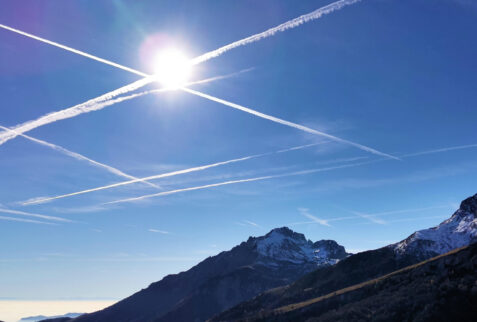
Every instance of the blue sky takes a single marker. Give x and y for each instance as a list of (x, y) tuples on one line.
[(397, 76)]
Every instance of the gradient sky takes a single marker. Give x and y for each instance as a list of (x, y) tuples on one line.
[(399, 76)]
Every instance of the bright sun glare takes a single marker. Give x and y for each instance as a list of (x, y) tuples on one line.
[(172, 68)]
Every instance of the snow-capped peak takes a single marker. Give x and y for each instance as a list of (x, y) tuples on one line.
[(285, 245), (457, 231)]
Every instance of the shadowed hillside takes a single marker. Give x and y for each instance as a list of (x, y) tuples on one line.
[(457, 231), (224, 280), (443, 288)]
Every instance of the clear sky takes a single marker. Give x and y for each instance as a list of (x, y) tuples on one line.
[(399, 76)]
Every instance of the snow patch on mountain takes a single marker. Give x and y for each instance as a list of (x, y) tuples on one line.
[(284, 245), (457, 231)]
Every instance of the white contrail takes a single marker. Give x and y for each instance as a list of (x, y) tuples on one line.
[(89, 106), (165, 193), (272, 31), (148, 78), (251, 223), (318, 13), (200, 168), (216, 78), (81, 157), (60, 115), (385, 213), (452, 148), (304, 172), (28, 214), (26, 220), (287, 123), (163, 175), (417, 218), (76, 51), (159, 231), (369, 217), (378, 214), (99, 103), (314, 219), (403, 211), (299, 147)]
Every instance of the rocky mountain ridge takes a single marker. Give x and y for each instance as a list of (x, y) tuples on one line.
[(219, 282), (457, 231)]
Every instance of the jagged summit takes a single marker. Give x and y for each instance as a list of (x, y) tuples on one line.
[(285, 245), (457, 231)]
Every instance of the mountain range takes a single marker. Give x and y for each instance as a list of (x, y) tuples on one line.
[(442, 288), (457, 231), (67, 316), (224, 280), (258, 277)]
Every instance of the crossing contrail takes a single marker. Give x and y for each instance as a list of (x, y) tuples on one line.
[(81, 157), (169, 174), (164, 175), (73, 111), (86, 107), (272, 31), (297, 173), (99, 103), (165, 193), (76, 51), (28, 214), (287, 123)]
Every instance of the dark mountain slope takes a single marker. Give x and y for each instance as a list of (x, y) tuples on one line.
[(457, 231), (353, 270), (219, 282), (443, 288)]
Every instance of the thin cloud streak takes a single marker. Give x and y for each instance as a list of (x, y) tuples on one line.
[(452, 148), (287, 123), (272, 31), (394, 212), (317, 220), (368, 217), (38, 200), (304, 172), (165, 193), (251, 223), (81, 157), (28, 214), (403, 211), (216, 78), (159, 231), (76, 51), (377, 214), (163, 175), (26, 220), (417, 219)]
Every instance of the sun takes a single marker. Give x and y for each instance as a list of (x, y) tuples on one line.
[(172, 68)]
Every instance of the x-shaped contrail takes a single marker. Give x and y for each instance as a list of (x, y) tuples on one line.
[(90, 105)]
